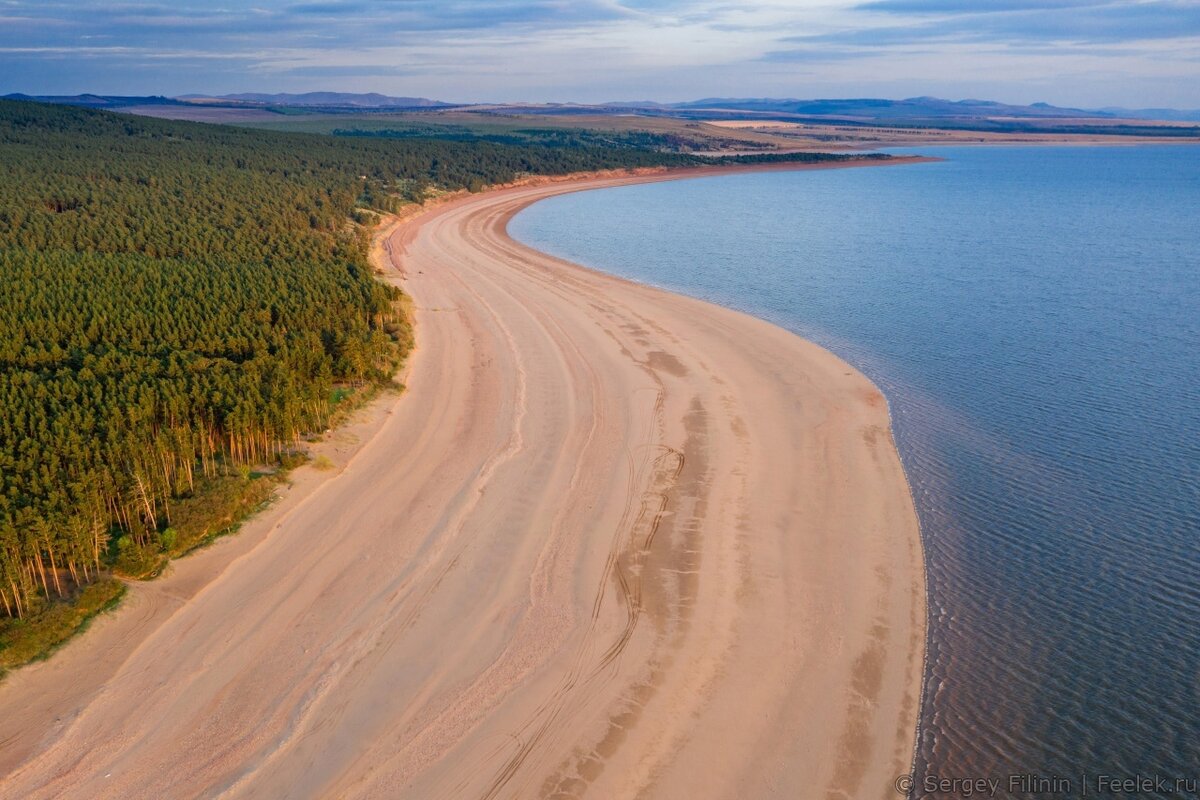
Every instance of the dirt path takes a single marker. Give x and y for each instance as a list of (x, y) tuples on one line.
[(612, 542)]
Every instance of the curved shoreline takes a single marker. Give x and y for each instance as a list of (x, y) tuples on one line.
[(589, 184), (612, 539)]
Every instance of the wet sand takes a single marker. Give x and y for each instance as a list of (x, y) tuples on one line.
[(612, 542)]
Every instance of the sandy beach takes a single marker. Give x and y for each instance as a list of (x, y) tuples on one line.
[(610, 542)]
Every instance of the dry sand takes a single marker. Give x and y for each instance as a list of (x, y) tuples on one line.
[(867, 134), (612, 542)]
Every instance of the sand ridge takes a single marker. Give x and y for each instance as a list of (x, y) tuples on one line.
[(611, 542)]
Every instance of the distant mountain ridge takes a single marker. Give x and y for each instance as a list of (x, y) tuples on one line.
[(864, 108), (307, 100), (340, 99), (880, 109)]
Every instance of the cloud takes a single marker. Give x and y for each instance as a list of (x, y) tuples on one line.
[(1085, 21), (972, 6), (811, 55), (600, 49), (138, 22), (351, 71), (458, 15), (326, 9)]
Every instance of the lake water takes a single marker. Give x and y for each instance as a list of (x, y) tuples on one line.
[(1033, 315)]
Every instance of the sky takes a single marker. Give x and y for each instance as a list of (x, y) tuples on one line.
[(1080, 53)]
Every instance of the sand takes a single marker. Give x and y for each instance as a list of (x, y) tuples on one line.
[(849, 134), (611, 542)]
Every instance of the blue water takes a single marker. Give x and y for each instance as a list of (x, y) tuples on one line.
[(1033, 315)]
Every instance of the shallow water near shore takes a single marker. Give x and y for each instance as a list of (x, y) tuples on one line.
[(1033, 315)]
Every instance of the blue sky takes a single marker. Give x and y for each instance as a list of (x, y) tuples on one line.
[(1070, 52)]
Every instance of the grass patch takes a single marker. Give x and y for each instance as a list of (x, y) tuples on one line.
[(219, 509), (40, 634), (339, 394)]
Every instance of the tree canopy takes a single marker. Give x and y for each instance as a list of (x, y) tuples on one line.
[(179, 301)]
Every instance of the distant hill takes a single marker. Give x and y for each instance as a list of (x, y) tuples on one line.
[(339, 99), (880, 109), (866, 110), (238, 108)]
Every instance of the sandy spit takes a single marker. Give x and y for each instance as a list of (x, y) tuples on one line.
[(612, 542)]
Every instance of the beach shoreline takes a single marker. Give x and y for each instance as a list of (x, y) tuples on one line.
[(705, 556)]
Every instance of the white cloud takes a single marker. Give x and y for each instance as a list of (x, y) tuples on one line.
[(593, 50)]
